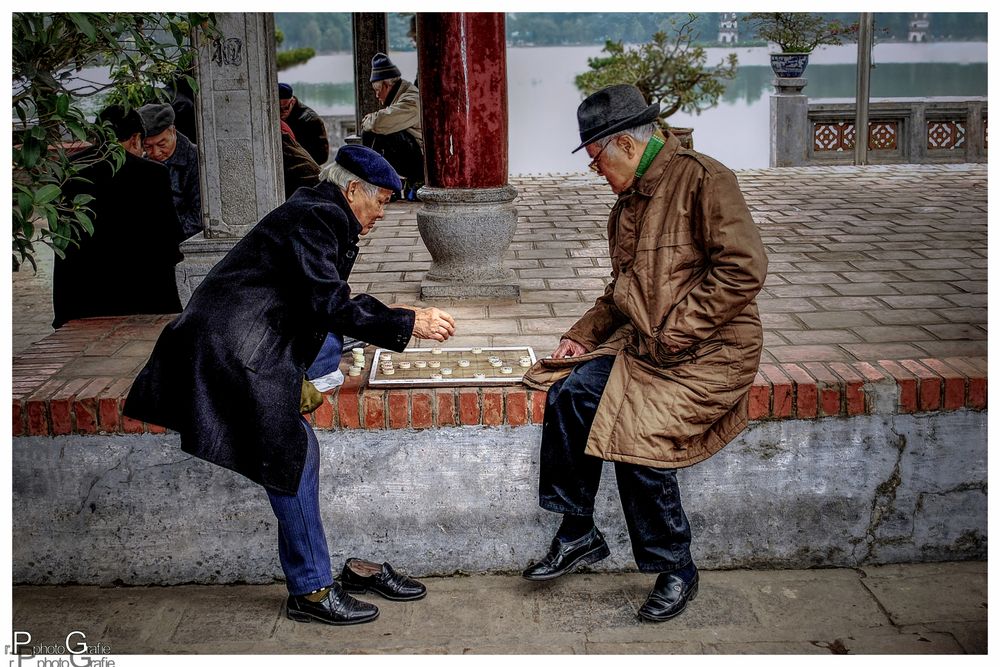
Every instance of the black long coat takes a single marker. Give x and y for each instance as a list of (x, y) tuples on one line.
[(127, 265), (227, 372)]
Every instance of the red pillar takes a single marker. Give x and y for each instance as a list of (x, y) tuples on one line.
[(463, 82), (468, 217)]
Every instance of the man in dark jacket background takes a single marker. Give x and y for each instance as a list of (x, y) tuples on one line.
[(165, 144), (306, 125), (127, 265), (227, 373)]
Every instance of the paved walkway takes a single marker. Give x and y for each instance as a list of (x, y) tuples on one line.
[(895, 609), (870, 263)]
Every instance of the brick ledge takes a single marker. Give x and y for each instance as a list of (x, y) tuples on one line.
[(51, 398)]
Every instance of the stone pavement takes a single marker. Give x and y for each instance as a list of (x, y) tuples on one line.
[(938, 608), (866, 263)]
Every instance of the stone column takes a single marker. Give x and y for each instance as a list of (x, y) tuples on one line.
[(468, 218), (790, 130), (370, 32), (239, 147)]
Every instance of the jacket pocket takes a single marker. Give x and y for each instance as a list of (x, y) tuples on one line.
[(259, 347)]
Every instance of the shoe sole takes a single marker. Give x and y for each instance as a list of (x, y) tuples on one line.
[(366, 589), (589, 558), (659, 619), (305, 617)]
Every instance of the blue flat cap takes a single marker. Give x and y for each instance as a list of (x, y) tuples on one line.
[(369, 166)]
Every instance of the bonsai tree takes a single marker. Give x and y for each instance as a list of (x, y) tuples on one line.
[(798, 32), (669, 70)]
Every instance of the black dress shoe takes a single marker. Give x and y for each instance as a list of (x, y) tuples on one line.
[(336, 608), (669, 596), (360, 576), (564, 556)]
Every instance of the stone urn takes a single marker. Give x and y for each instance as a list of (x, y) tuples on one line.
[(789, 65)]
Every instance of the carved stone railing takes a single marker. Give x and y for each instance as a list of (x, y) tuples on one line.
[(912, 130), (900, 130)]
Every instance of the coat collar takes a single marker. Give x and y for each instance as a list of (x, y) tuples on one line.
[(333, 192), (647, 184)]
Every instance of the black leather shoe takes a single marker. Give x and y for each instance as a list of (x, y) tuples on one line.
[(360, 576), (669, 596), (563, 557), (336, 608)]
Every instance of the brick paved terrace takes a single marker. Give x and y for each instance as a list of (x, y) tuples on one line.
[(877, 274)]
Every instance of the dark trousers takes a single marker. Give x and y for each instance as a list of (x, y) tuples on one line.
[(302, 547), (401, 150), (569, 479)]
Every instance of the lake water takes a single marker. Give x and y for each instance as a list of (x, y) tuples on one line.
[(542, 97)]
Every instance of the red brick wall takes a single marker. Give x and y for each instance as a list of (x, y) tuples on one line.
[(76, 380)]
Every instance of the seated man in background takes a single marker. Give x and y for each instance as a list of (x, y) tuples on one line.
[(127, 265), (306, 125), (166, 145), (394, 130)]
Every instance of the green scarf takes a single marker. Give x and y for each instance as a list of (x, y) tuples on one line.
[(656, 142)]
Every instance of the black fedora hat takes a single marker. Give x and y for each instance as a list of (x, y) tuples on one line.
[(611, 110)]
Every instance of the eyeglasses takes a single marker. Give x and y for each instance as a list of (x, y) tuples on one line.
[(593, 163)]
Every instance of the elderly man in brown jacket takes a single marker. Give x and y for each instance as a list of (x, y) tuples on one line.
[(656, 375)]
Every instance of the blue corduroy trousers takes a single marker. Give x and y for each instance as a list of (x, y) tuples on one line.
[(302, 547)]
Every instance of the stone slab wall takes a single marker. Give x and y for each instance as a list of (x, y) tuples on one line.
[(840, 491)]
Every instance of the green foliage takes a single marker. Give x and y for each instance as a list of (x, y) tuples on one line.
[(669, 70), (49, 50), (798, 32), (294, 57)]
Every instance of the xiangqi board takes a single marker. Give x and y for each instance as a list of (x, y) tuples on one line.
[(450, 366)]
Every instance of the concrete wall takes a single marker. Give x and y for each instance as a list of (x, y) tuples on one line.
[(837, 491)]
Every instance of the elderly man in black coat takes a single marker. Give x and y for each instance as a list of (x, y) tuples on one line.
[(227, 373)]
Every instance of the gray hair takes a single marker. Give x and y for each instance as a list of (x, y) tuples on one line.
[(641, 134), (342, 178)]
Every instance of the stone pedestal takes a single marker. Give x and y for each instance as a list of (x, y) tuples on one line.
[(790, 131), (468, 218), (239, 147), (467, 232)]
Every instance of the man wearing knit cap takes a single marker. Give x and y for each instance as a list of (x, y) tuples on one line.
[(164, 144), (308, 129), (394, 130), (656, 375), (227, 373), (134, 243)]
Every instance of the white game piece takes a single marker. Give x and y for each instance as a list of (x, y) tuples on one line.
[(496, 363), (506, 370), (445, 371), (479, 376), (464, 363), (434, 363), (354, 371), (386, 357), (403, 365), (436, 350), (420, 363), (388, 370), (435, 376), (477, 350)]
